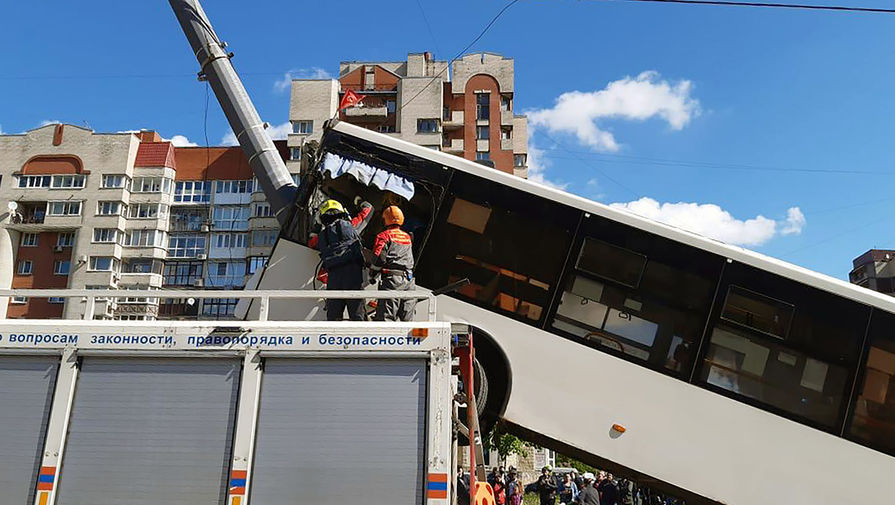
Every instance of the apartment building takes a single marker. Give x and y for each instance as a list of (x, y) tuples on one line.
[(467, 110), (87, 210), (875, 270)]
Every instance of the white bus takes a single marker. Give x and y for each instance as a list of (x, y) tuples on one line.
[(734, 377)]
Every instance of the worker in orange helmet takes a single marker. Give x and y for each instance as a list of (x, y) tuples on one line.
[(393, 262)]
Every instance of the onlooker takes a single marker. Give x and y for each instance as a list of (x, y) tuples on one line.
[(567, 490), (462, 488), (608, 491), (514, 488), (546, 486), (588, 494), (500, 489)]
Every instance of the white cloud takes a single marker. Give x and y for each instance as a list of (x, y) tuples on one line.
[(276, 132), (181, 141), (712, 221), (301, 73), (795, 221), (635, 99), (48, 121)]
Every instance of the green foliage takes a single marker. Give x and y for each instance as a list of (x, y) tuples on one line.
[(574, 463), (505, 444)]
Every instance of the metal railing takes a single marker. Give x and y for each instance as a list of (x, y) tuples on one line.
[(263, 295)]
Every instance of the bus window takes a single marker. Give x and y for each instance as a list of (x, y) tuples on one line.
[(873, 411), (511, 245), (638, 295), (784, 345)]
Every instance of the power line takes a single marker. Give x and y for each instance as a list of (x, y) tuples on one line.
[(768, 4), (476, 39), (585, 162), (640, 160), (428, 26)]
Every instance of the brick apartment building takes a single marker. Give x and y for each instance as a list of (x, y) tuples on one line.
[(127, 211), (466, 110), (875, 270)]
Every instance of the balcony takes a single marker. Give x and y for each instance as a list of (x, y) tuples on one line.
[(367, 112), (142, 278), (370, 88), (506, 117), (506, 144), (453, 146), (453, 122)]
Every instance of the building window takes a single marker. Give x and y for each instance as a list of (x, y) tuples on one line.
[(427, 125), (61, 267), (183, 273), (141, 266), (262, 210), (192, 192), (26, 267), (482, 156), (65, 239), (147, 210), (506, 134), (56, 299), (505, 103), (296, 179), (518, 160), (67, 208), (34, 181), (188, 218), (29, 239), (482, 132), (391, 106), (230, 240), (235, 187), (304, 127), (264, 238), (115, 181), (219, 307), (104, 264), (386, 128), (231, 217), (483, 106), (151, 185), (186, 246), (256, 263), (295, 153), (145, 238), (19, 300), (105, 235), (110, 208), (68, 181)]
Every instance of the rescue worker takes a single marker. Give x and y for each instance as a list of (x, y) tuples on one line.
[(393, 262), (341, 253)]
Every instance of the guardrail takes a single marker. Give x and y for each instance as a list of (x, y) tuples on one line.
[(263, 295)]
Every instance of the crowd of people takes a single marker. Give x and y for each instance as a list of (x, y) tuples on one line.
[(569, 488)]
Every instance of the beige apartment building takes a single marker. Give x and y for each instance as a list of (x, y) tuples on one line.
[(87, 210), (467, 110)]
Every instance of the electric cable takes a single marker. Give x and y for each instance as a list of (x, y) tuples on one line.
[(732, 3), (452, 60)]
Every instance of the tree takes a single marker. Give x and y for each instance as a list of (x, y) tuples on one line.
[(505, 444)]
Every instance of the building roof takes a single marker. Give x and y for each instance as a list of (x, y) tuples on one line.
[(155, 154), (213, 163)]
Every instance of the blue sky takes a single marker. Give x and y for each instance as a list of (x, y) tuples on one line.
[(746, 113)]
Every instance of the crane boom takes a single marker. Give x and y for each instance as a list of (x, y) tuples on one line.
[(216, 68)]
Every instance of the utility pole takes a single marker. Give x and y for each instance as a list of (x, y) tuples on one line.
[(216, 68)]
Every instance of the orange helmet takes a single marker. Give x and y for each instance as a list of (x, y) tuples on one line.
[(393, 215)]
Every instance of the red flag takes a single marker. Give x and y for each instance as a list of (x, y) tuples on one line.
[(351, 99)]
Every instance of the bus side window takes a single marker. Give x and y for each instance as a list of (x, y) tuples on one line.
[(873, 410), (637, 295), (784, 345), (511, 245)]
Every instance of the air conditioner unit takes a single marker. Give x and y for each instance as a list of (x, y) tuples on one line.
[(201, 256), (205, 228), (57, 249), (199, 283)]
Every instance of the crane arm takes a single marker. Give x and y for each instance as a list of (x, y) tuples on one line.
[(215, 66)]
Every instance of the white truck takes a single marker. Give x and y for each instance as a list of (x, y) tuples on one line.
[(201, 412)]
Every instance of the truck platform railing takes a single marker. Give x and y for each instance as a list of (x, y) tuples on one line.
[(264, 296)]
